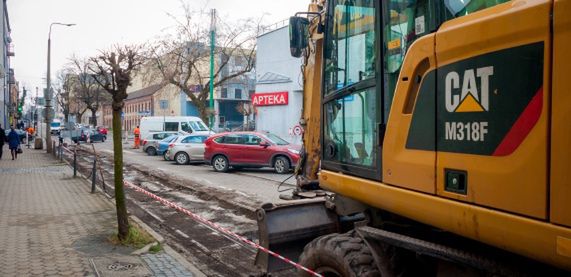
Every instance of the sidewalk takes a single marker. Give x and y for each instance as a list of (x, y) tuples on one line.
[(50, 225)]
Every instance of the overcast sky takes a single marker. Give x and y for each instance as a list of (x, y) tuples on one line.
[(102, 23)]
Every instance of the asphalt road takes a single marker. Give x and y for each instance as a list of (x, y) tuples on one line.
[(260, 185)]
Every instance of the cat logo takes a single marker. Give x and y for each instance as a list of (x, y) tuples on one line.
[(467, 98)]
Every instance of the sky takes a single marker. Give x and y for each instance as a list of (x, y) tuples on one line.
[(103, 23)]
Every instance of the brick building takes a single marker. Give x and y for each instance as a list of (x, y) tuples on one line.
[(138, 104)]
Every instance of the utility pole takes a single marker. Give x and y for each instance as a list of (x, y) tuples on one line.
[(48, 93), (212, 43)]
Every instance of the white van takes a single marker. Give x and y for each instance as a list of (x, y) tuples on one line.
[(56, 127), (188, 124)]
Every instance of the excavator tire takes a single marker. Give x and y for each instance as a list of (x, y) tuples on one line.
[(341, 255)]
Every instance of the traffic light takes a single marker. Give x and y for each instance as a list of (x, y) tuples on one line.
[(20, 109)]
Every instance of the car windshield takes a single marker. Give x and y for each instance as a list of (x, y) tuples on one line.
[(198, 126), (55, 124), (277, 140)]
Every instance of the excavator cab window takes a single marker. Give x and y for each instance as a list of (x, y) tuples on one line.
[(351, 97), (403, 21)]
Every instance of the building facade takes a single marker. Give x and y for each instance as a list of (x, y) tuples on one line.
[(7, 108), (278, 97)]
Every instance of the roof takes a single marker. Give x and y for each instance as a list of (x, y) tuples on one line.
[(273, 78), (150, 90)]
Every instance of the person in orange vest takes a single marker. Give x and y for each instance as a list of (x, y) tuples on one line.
[(137, 133), (31, 131)]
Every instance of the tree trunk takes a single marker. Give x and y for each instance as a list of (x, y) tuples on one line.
[(122, 219), (203, 112), (94, 117), (66, 118)]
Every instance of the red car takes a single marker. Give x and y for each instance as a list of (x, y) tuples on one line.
[(250, 149)]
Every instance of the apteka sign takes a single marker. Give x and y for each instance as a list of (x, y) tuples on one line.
[(270, 99)]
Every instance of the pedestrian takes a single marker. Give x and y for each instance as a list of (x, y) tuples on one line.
[(13, 142), (2, 139), (137, 133)]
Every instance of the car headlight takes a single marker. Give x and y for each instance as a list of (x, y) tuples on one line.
[(293, 151)]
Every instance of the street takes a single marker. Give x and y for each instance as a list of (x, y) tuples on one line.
[(259, 185), (228, 200)]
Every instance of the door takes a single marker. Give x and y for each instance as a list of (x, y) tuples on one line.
[(409, 75), (196, 147), (493, 103), (233, 147), (253, 152), (351, 98)]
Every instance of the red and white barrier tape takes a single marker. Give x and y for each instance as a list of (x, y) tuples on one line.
[(67, 149), (219, 228)]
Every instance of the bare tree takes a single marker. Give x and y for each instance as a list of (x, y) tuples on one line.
[(246, 109), (112, 70), (182, 60), (88, 91)]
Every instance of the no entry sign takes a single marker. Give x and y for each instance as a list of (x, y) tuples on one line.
[(270, 99)]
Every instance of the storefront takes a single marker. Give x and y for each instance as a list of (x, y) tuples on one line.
[(278, 98)]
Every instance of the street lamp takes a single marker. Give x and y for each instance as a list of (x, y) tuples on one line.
[(48, 93)]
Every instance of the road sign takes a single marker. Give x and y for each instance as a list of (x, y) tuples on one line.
[(164, 104), (297, 130)]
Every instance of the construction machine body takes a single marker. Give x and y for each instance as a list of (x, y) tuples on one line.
[(452, 115)]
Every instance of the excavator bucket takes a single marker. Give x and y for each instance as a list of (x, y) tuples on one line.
[(287, 228)]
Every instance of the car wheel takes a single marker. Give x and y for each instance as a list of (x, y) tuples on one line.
[(166, 156), (151, 151), (181, 158), (281, 165), (220, 163)]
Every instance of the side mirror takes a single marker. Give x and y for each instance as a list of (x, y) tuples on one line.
[(298, 35), (264, 144)]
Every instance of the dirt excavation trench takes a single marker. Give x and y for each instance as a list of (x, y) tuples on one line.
[(211, 251)]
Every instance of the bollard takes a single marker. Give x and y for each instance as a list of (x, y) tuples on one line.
[(74, 163), (93, 175), (61, 152)]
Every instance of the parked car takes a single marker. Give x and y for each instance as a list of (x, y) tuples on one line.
[(164, 146), (187, 149), (103, 131), (151, 141), (250, 149), (86, 134)]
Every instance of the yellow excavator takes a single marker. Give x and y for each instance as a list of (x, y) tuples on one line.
[(437, 140)]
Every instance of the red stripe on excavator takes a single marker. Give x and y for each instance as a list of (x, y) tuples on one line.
[(522, 127)]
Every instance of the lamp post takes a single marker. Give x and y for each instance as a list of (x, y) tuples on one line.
[(48, 92)]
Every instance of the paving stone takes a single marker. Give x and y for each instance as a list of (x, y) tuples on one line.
[(46, 212)]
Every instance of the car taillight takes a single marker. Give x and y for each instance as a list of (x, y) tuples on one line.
[(144, 142), (171, 145)]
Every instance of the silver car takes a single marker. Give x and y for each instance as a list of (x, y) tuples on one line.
[(187, 149), (151, 142)]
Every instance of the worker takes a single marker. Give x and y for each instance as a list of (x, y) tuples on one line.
[(31, 131), (137, 133)]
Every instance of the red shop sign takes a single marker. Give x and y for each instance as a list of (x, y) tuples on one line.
[(270, 99)]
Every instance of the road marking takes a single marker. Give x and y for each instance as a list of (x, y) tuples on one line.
[(124, 151), (182, 234), (202, 247), (154, 215)]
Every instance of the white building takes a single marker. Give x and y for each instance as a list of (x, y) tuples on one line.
[(279, 82), (6, 74)]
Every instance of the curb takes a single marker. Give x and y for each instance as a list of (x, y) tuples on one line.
[(159, 238), (167, 249)]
